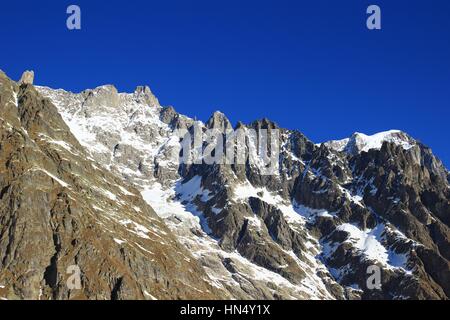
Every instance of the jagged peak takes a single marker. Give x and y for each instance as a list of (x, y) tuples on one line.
[(143, 90), (264, 123), (144, 94)]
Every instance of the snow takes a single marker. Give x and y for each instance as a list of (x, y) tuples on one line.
[(62, 183), (107, 193), (136, 228), (81, 132), (311, 214), (178, 200), (118, 241), (244, 191), (366, 241), (369, 242), (60, 143), (376, 141), (16, 100), (125, 191), (149, 295), (353, 198), (189, 190), (166, 205), (143, 249), (292, 212)]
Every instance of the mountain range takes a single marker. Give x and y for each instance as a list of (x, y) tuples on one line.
[(88, 180)]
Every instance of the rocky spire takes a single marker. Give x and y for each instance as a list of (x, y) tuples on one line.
[(27, 77)]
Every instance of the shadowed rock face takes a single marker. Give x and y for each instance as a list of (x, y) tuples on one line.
[(58, 208), (310, 231)]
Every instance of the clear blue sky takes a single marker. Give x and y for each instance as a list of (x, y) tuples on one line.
[(308, 65)]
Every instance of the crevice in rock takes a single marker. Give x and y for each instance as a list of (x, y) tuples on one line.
[(116, 289), (242, 232), (51, 272), (3, 191)]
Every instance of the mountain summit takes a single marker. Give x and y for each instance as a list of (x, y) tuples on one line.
[(359, 142)]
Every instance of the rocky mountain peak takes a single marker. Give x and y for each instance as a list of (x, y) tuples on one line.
[(144, 94), (218, 120), (27, 77)]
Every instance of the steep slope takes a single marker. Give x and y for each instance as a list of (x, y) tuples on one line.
[(58, 209)]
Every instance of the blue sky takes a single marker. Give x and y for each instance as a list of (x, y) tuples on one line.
[(308, 65)]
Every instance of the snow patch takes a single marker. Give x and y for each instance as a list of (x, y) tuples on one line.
[(118, 241), (136, 228), (369, 242), (62, 183), (149, 295)]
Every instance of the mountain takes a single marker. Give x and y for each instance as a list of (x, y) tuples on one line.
[(90, 179), (59, 208)]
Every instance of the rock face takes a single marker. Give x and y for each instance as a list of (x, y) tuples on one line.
[(312, 230), (27, 77)]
